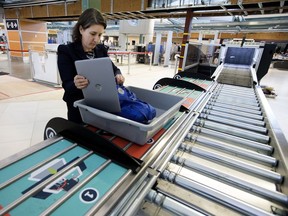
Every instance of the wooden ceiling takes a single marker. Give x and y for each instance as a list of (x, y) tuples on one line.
[(244, 9)]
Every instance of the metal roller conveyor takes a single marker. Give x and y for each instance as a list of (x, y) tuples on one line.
[(236, 99), (238, 94), (233, 130), (251, 100), (235, 112), (231, 157), (214, 194), (234, 123), (235, 90), (173, 206), (242, 152), (224, 88), (226, 177), (236, 163), (251, 110), (250, 144), (230, 101), (249, 92), (234, 117)]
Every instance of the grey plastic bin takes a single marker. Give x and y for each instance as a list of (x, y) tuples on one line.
[(166, 106)]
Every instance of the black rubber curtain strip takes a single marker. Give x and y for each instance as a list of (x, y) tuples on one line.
[(178, 83), (92, 141)]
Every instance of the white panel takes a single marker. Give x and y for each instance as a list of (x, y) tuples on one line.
[(136, 26)]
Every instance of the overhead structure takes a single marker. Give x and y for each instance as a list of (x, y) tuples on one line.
[(153, 9)]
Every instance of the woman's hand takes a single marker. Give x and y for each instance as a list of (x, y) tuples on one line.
[(80, 82), (119, 79)]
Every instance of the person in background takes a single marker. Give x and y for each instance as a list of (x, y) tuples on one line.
[(174, 50), (3, 40), (85, 45)]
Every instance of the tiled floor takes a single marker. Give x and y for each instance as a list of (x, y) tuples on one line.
[(23, 117)]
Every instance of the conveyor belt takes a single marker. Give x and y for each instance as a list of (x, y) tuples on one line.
[(225, 162), (223, 157)]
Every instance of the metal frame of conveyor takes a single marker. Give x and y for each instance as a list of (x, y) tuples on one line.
[(230, 158), (250, 172), (227, 156)]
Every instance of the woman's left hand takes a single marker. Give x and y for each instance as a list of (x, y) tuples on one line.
[(119, 79)]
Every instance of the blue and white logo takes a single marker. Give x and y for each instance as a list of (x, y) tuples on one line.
[(88, 195)]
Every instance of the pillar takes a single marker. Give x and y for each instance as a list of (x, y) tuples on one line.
[(157, 49), (186, 37), (168, 48)]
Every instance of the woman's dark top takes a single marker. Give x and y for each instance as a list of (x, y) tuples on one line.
[(67, 55)]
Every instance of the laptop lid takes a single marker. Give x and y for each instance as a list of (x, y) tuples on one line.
[(101, 93)]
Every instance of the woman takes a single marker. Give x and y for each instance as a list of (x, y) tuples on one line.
[(86, 44)]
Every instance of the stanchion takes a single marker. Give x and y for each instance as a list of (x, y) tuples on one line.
[(129, 54), (176, 63), (150, 60)]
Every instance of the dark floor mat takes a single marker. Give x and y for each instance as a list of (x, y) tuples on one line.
[(3, 73)]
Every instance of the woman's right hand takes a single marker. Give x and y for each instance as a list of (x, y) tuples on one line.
[(80, 82)]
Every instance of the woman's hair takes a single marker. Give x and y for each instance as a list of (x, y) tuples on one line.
[(89, 17)]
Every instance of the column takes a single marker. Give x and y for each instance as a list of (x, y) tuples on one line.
[(157, 49), (168, 48), (186, 37)]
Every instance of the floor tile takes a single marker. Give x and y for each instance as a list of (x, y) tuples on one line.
[(12, 147)]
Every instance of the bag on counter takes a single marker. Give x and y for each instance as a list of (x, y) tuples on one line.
[(133, 108)]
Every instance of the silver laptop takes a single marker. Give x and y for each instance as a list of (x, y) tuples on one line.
[(101, 93)]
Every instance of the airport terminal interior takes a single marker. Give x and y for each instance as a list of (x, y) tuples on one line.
[(216, 72)]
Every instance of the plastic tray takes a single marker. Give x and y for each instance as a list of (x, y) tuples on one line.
[(166, 106)]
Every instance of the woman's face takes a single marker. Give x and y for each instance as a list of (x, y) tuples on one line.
[(91, 36)]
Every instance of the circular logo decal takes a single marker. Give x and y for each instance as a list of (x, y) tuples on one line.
[(150, 141), (88, 195), (98, 87), (157, 86), (177, 77), (50, 132)]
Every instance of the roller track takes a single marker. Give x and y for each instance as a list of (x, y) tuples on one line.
[(223, 156), (225, 164)]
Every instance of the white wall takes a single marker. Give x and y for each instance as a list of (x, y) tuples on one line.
[(136, 27)]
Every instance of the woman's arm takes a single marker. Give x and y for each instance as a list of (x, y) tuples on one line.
[(67, 69)]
